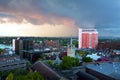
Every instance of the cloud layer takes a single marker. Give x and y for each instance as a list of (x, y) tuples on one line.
[(103, 15)]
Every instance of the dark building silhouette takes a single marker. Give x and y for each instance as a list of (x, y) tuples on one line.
[(20, 45), (108, 45)]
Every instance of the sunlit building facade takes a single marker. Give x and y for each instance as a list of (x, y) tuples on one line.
[(88, 38)]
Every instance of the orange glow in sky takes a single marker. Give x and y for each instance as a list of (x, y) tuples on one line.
[(43, 30)]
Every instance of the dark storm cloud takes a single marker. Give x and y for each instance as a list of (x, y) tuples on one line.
[(15, 10), (101, 14), (102, 11), (32, 12)]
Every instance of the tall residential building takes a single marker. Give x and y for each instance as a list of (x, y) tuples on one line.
[(88, 38), (20, 45)]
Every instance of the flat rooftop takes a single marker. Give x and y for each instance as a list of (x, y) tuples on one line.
[(88, 30), (110, 69)]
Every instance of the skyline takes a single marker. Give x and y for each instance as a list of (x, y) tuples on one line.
[(59, 18)]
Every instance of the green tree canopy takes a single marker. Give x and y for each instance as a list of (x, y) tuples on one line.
[(69, 62), (1, 50), (30, 76), (87, 59), (10, 77)]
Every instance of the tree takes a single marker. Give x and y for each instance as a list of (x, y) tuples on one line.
[(69, 62), (75, 61), (4, 74), (37, 76), (75, 42), (19, 71), (87, 59), (50, 63), (28, 64), (1, 50), (30, 76), (20, 77), (10, 77)]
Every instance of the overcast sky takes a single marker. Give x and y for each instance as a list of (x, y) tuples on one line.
[(60, 18)]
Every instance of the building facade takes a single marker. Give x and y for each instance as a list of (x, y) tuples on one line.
[(88, 38), (71, 49), (21, 45), (9, 62)]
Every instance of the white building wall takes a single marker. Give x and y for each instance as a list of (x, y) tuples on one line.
[(80, 38)]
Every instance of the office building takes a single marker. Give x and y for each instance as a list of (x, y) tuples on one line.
[(88, 38), (20, 45)]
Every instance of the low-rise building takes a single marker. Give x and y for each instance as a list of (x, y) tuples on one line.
[(9, 62), (104, 70)]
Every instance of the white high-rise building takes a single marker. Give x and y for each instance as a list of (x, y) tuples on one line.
[(88, 38)]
